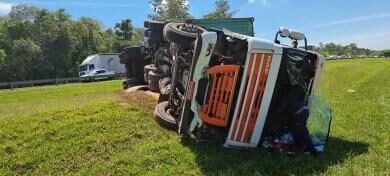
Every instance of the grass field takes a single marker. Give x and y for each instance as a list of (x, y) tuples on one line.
[(93, 129)]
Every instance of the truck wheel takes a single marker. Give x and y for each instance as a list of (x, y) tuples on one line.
[(148, 43), (162, 83), (130, 53), (132, 82), (155, 36), (153, 86), (157, 26), (165, 93), (148, 68), (163, 117), (146, 32), (146, 24), (181, 33), (154, 77), (124, 59)]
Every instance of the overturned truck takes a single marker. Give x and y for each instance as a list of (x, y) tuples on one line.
[(244, 91)]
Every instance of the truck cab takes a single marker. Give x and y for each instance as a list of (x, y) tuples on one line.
[(237, 88), (88, 65)]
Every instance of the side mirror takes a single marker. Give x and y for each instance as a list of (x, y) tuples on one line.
[(284, 32), (295, 35)]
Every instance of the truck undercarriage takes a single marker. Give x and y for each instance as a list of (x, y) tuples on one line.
[(240, 90)]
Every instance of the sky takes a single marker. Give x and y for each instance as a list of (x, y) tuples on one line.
[(365, 22)]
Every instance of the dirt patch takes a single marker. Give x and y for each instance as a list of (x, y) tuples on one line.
[(145, 99)]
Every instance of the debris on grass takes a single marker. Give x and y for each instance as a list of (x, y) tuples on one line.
[(351, 91)]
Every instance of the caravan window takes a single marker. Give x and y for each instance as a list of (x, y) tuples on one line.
[(91, 67), (83, 68)]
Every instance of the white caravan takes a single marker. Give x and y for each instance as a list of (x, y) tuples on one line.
[(103, 61)]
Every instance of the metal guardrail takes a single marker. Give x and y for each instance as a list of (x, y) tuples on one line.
[(30, 83)]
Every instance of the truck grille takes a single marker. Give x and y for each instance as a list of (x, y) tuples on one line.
[(216, 111), (250, 97)]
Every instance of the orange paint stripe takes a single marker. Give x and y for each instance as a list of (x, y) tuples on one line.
[(255, 107), (259, 95), (237, 117), (249, 96)]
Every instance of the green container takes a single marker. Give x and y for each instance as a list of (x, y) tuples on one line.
[(238, 25)]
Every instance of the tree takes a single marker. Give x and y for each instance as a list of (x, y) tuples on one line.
[(124, 29), (2, 56), (386, 53), (41, 44), (350, 50), (25, 54), (175, 10), (22, 12), (222, 10), (158, 9)]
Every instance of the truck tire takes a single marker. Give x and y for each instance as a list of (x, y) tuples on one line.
[(130, 53), (154, 77), (163, 117), (165, 93), (153, 25), (163, 83), (132, 82), (155, 36), (148, 68), (153, 86), (146, 24), (146, 32), (181, 33), (167, 90), (124, 59), (148, 43)]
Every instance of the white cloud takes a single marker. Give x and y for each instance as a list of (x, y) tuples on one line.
[(264, 2), (5, 8), (79, 3), (352, 20)]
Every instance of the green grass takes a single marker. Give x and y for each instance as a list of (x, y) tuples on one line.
[(93, 129)]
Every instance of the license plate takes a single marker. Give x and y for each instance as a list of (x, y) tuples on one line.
[(190, 90)]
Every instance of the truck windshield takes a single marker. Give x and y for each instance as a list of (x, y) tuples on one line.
[(83, 67)]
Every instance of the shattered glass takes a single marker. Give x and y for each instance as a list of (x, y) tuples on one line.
[(319, 121)]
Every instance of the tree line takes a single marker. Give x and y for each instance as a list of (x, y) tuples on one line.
[(348, 51), (37, 43), (40, 44)]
